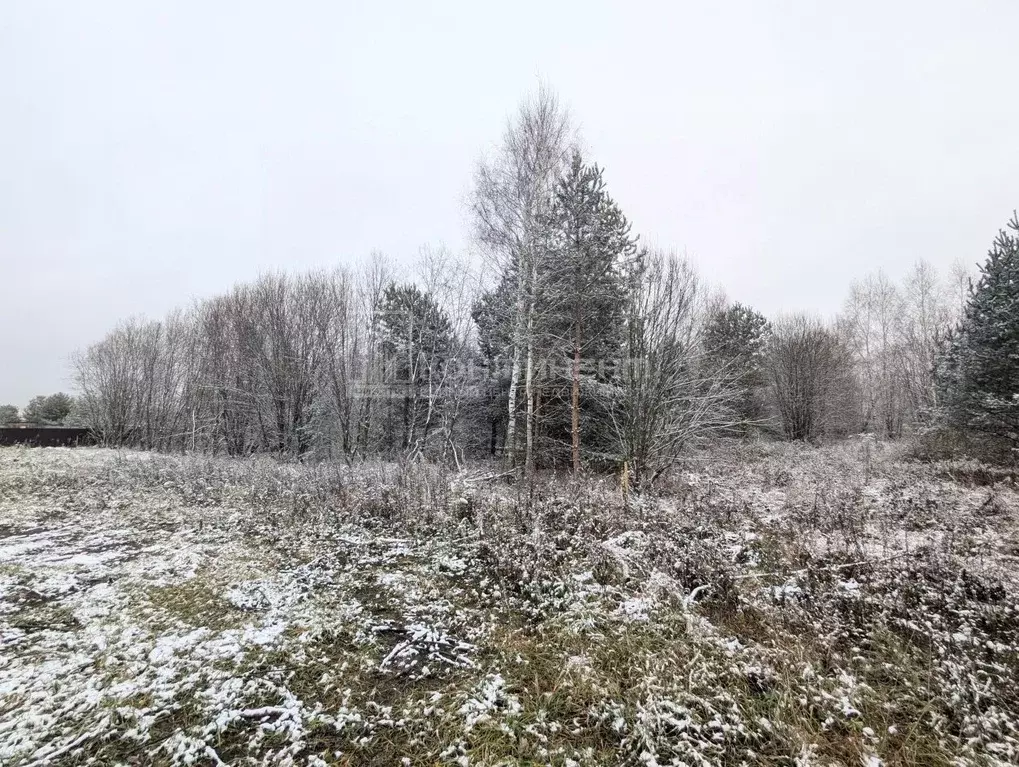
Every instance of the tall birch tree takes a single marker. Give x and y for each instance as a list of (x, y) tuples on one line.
[(511, 203)]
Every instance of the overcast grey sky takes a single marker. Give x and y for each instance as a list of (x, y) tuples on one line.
[(154, 152)]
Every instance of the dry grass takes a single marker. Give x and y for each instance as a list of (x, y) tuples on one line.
[(772, 604)]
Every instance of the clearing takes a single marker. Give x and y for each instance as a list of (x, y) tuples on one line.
[(774, 604)]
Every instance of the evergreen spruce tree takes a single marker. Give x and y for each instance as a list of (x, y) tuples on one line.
[(979, 373)]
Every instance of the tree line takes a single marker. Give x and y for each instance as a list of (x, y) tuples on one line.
[(570, 345), (43, 410)]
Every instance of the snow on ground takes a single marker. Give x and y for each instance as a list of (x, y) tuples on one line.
[(775, 605)]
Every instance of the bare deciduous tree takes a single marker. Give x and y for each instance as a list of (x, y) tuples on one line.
[(871, 326), (668, 395), (808, 365), (925, 319)]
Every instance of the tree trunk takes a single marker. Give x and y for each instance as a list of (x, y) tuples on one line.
[(529, 395), (511, 424), (529, 379), (575, 407), (519, 320)]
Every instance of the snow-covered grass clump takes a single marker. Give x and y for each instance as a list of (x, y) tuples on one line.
[(770, 605)]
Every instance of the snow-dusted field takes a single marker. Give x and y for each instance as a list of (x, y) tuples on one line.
[(775, 605)]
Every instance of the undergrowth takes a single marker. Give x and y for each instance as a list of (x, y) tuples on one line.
[(768, 604)]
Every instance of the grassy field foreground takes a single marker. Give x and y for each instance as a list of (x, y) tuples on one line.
[(773, 605)]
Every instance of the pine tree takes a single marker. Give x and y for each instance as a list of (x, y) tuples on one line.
[(493, 316), (979, 373), (583, 289), (735, 341), (416, 340)]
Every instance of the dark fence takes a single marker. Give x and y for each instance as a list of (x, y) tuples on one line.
[(45, 436)]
